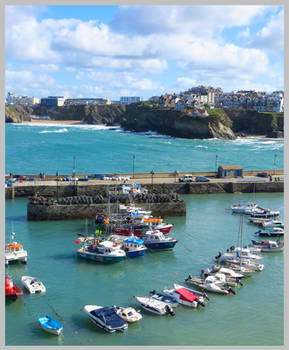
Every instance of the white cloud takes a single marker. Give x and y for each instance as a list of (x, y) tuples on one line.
[(185, 83), (271, 36), (245, 33), (18, 78)]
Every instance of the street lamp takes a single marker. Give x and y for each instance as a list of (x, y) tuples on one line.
[(57, 184), (133, 160), (275, 158), (152, 174), (176, 173), (216, 164)]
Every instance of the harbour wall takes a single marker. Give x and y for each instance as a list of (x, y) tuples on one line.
[(67, 190), (82, 207)]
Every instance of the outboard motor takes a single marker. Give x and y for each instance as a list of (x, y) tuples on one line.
[(231, 291), (200, 303), (188, 278), (153, 291), (169, 310), (206, 296), (218, 256)]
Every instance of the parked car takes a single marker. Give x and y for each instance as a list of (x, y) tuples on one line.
[(263, 174), (186, 178), (202, 179)]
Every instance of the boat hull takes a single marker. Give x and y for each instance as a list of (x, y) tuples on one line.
[(100, 258), (160, 245), (136, 253)]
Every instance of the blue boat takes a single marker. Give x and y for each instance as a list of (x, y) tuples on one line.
[(134, 247), (156, 240), (104, 252), (50, 325)]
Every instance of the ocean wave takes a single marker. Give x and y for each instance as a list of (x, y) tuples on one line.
[(53, 131), (64, 125)]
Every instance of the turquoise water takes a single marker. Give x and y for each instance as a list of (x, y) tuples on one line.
[(252, 317), (35, 149)]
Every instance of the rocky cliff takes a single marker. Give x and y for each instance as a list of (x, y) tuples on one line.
[(226, 124)]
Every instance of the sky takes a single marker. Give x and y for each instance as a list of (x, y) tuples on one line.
[(113, 51)]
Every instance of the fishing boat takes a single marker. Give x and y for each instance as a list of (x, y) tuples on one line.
[(139, 229), (133, 247), (105, 318), (173, 302), (104, 252), (50, 325), (209, 284), (33, 285), (12, 291), (155, 306), (14, 251), (155, 240), (187, 297), (268, 246), (129, 314)]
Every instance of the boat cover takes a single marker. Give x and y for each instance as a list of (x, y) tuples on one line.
[(133, 240), (186, 295), (108, 316)]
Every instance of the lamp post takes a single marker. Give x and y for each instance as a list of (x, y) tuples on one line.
[(176, 173), (133, 160), (57, 184), (152, 174), (275, 158), (216, 164)]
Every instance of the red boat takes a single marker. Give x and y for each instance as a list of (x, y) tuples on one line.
[(138, 230), (12, 292)]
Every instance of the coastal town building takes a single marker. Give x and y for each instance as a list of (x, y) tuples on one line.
[(126, 100), (86, 101), (53, 101), (13, 98)]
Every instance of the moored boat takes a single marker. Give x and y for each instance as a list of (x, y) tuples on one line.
[(12, 291), (106, 318), (268, 246), (104, 252), (129, 314), (50, 325), (133, 247), (164, 298), (272, 223), (209, 284), (271, 232), (155, 240), (14, 251), (187, 297), (155, 306), (33, 285)]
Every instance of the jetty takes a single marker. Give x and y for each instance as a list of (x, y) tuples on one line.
[(80, 196)]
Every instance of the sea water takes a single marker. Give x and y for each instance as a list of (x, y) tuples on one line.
[(254, 316)]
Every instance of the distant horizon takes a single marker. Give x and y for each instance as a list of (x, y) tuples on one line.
[(112, 51)]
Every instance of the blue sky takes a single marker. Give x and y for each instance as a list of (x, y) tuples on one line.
[(113, 51)]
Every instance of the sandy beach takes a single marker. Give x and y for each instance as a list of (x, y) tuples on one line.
[(44, 121)]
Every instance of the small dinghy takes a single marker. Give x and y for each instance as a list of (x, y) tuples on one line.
[(12, 292), (155, 306), (164, 298), (187, 297), (129, 314), (33, 285), (210, 284), (106, 318), (50, 325)]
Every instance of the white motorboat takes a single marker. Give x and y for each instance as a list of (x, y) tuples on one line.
[(271, 232), (252, 265), (129, 314), (244, 270), (164, 298), (268, 246), (106, 318), (272, 223), (187, 297), (224, 270), (242, 253), (155, 306), (243, 207), (210, 284), (33, 285), (14, 251)]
